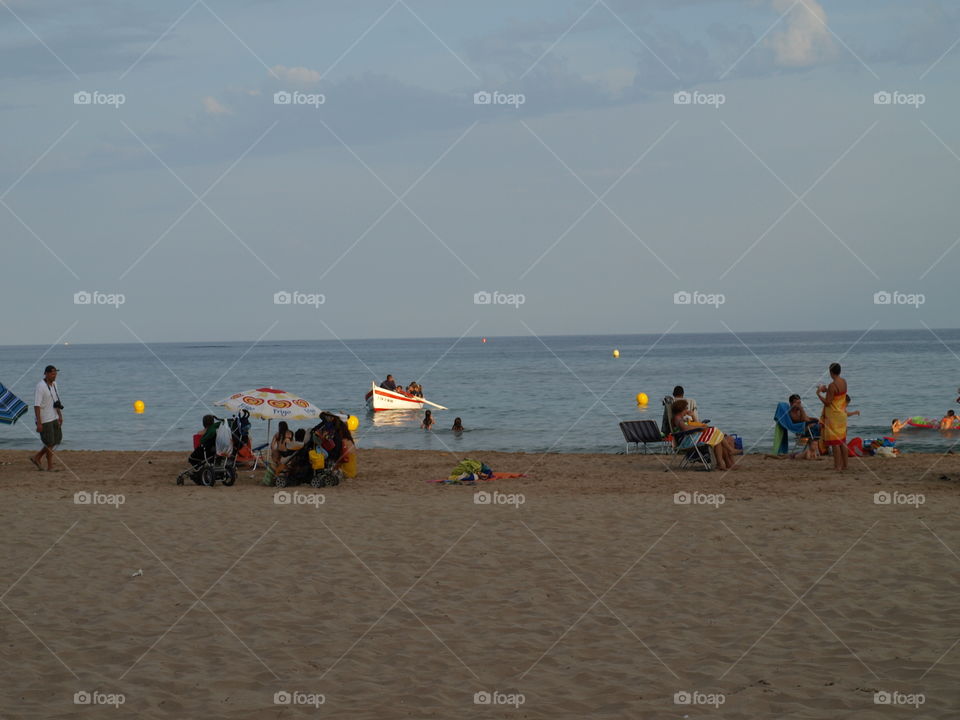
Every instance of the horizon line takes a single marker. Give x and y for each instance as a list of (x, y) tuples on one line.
[(479, 336)]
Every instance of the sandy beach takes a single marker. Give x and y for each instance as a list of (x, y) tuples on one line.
[(584, 590)]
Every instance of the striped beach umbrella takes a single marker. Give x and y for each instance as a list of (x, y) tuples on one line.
[(11, 407)]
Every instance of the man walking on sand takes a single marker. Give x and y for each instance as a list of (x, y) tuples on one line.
[(47, 407)]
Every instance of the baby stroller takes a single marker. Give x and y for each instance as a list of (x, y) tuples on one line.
[(306, 465), (215, 455)]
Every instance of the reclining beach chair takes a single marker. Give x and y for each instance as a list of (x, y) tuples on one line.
[(784, 425), (686, 444), (643, 432)]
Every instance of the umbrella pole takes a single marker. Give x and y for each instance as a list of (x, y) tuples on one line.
[(269, 420)]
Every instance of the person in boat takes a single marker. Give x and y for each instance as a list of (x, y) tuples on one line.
[(457, 425), (896, 426), (949, 421), (721, 444), (389, 383), (415, 390), (427, 420)]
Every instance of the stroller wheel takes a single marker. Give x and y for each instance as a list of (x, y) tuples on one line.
[(231, 477), (280, 481), (181, 477), (208, 477), (335, 478), (318, 480)]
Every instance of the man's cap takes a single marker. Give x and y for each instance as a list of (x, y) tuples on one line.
[(49, 368)]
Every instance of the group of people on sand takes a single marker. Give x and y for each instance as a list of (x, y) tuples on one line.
[(830, 428), (331, 436), (414, 389)]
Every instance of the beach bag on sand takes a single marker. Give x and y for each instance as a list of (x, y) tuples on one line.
[(318, 459), (224, 439)]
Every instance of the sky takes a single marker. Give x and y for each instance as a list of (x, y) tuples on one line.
[(292, 169)]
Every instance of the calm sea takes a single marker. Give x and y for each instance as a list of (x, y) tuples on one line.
[(563, 394)]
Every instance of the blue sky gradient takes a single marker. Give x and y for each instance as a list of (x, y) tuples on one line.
[(597, 199)]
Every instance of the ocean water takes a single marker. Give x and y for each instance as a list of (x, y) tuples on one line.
[(561, 394)]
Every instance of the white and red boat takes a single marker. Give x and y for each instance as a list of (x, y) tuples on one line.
[(382, 399)]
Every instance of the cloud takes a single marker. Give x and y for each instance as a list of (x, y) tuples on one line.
[(214, 107), (806, 40), (297, 75)]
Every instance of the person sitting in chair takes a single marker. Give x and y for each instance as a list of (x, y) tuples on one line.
[(665, 425), (278, 445), (798, 414), (722, 445)]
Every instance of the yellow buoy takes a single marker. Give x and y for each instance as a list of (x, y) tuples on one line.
[(353, 422), (139, 407), (616, 353), (642, 399)]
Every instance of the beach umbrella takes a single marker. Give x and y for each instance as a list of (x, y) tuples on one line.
[(270, 404), (11, 407)]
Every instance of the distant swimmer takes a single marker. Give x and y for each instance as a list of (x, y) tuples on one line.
[(949, 421), (896, 426)]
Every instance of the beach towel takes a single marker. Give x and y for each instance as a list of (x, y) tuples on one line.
[(711, 436), (835, 422), (469, 467), (469, 471), (473, 478), (784, 426)]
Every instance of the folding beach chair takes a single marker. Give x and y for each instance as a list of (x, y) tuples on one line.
[(784, 426), (687, 445), (642, 432), (258, 454)]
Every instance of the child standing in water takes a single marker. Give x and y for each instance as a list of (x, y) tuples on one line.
[(457, 426)]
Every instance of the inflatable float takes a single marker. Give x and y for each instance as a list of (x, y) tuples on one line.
[(926, 423)]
